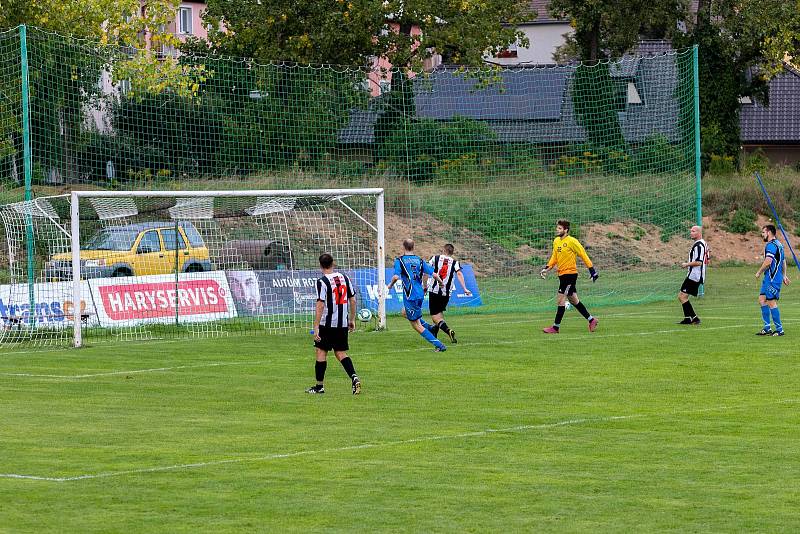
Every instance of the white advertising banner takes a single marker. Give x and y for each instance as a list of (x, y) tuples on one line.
[(196, 297), (53, 306), (130, 301)]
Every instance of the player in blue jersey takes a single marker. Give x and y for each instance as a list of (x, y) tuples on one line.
[(409, 268), (774, 271)]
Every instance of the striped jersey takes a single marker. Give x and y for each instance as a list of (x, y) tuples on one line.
[(447, 268), (774, 273), (336, 291), (565, 251), (698, 252)]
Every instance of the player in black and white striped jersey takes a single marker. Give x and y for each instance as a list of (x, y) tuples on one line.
[(333, 320), (447, 268), (695, 275)]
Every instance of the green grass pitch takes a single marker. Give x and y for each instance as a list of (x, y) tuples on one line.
[(644, 425)]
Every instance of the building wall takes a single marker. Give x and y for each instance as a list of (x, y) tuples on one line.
[(777, 154), (544, 37)]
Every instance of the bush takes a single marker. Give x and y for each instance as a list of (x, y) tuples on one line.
[(723, 165), (420, 147), (742, 221), (757, 161), (658, 155)]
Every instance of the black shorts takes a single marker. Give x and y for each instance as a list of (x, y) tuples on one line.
[(437, 303), (690, 287), (332, 339), (566, 284)]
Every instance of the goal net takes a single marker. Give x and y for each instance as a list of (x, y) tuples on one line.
[(152, 264)]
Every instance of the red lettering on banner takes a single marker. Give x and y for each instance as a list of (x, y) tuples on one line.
[(144, 301)]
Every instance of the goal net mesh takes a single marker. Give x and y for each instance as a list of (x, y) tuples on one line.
[(154, 267)]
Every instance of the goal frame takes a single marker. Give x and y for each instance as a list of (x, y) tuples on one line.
[(75, 246)]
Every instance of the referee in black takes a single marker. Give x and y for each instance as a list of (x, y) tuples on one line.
[(333, 320)]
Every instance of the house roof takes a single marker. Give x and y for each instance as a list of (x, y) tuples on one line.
[(780, 121), (534, 104), (542, 13)]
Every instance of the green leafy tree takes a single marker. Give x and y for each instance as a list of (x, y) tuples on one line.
[(742, 45), (606, 29), (351, 32), (610, 28)]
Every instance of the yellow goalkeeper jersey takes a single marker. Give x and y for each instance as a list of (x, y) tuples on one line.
[(565, 252)]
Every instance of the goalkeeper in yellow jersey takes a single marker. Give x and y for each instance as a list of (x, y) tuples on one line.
[(565, 251)]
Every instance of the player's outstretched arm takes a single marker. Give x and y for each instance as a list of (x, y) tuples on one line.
[(586, 261), (394, 279), (460, 276)]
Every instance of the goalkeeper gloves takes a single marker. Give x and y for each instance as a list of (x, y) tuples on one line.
[(543, 272), (593, 274)]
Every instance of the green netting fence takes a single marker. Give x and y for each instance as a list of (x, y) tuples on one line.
[(485, 159)]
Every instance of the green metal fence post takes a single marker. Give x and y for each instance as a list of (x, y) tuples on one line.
[(697, 167), (28, 166)]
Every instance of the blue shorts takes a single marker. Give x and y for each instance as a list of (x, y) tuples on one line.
[(413, 309), (770, 290)]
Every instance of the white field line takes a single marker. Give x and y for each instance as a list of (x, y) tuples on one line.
[(422, 439), (421, 348)]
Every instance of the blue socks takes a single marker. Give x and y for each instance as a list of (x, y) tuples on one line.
[(765, 316), (776, 319), (426, 334), (425, 325)]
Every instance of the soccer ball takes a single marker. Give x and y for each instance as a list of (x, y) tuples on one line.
[(364, 315)]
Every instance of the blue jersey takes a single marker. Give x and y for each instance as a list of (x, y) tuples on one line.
[(774, 273), (410, 269)]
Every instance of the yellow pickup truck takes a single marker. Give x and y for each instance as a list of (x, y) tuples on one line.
[(135, 250)]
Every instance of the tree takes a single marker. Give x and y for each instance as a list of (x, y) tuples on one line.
[(742, 45), (605, 29), (95, 38), (610, 28), (351, 32)]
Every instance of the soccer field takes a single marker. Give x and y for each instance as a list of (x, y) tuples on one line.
[(644, 425)]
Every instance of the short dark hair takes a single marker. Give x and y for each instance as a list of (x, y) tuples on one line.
[(771, 229), (449, 248), (563, 223), (408, 244), (326, 261)]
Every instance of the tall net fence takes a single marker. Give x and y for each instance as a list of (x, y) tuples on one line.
[(487, 160)]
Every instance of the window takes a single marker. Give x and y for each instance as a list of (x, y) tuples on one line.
[(168, 234), (510, 52), (385, 85), (185, 20), (149, 243), (633, 94)]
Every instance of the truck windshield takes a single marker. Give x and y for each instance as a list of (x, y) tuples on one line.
[(112, 239)]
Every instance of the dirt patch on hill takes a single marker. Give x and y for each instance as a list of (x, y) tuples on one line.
[(430, 234)]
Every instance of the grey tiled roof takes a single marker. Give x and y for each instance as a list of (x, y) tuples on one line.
[(542, 14), (535, 105), (780, 122)]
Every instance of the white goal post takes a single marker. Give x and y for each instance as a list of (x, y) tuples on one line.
[(197, 206)]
